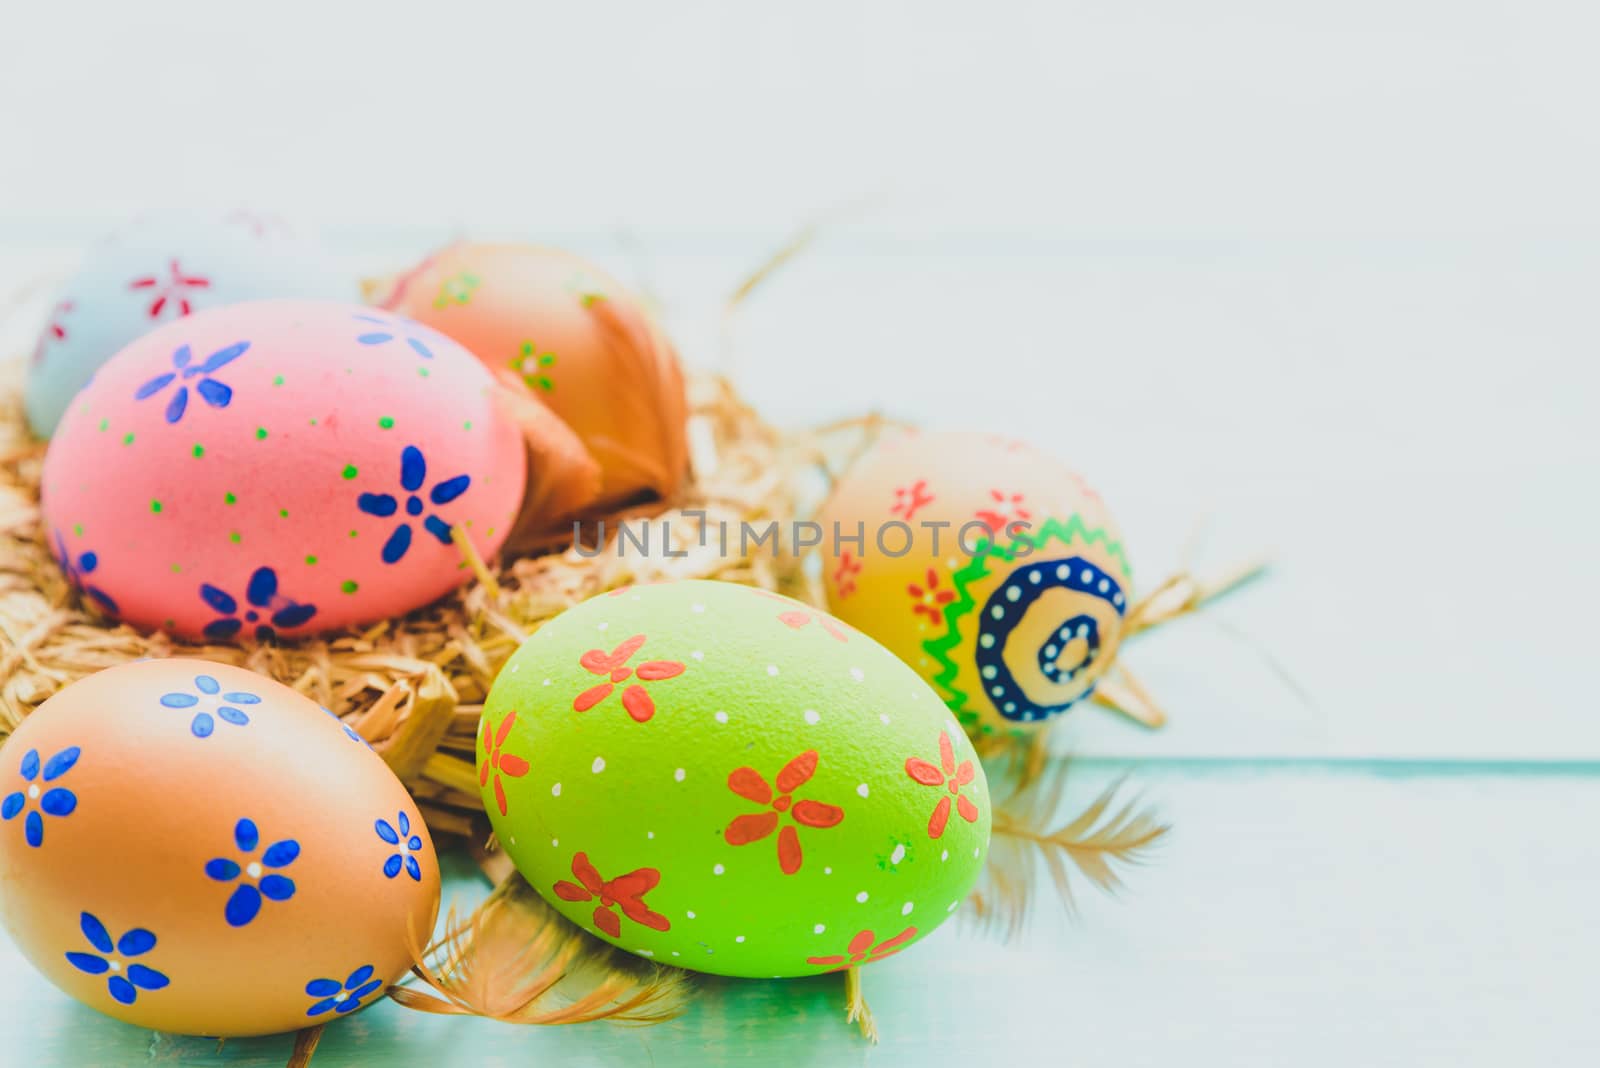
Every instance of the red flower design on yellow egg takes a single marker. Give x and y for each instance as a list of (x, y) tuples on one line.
[(927, 599), (625, 892), (951, 777), (1006, 509), (749, 784), (844, 575), (908, 500), (861, 950), (635, 699), (495, 761)]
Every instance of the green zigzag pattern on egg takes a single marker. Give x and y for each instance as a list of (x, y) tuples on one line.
[(1073, 531)]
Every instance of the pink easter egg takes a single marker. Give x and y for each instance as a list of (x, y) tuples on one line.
[(280, 468)]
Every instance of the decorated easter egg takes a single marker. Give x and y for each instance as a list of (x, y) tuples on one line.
[(578, 340), (192, 847), (727, 780), (155, 270), (280, 467), (991, 568)]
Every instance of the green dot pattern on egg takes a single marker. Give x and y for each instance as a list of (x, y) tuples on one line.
[(726, 780)]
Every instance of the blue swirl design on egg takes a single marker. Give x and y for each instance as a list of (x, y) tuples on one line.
[(1004, 611)]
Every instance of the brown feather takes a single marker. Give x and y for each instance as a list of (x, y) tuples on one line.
[(1093, 843), (517, 960)]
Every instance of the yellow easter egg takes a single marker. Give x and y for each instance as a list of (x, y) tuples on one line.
[(991, 568)]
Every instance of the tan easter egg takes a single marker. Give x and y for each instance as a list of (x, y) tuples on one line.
[(192, 847)]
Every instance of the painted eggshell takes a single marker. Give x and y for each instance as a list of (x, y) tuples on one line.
[(192, 847), (1013, 607), (160, 268), (580, 343), (730, 781), (280, 467)]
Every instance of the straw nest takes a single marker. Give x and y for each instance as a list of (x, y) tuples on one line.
[(413, 687)]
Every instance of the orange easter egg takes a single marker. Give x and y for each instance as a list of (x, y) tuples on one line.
[(192, 847), (991, 568), (578, 340)]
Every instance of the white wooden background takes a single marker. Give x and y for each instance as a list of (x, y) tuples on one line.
[(1308, 277)]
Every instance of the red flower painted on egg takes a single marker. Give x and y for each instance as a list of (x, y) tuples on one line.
[(861, 950), (950, 777), (495, 761), (172, 290), (749, 784), (614, 664), (625, 892)]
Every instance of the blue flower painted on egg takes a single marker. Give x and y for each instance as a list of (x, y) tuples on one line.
[(261, 595), (334, 996), (57, 801), (124, 980), (391, 330), (406, 844), (254, 882), (78, 571), (413, 474), (208, 690), (213, 391)]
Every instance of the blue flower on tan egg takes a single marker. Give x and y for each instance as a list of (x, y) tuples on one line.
[(413, 475), (209, 691), (262, 600), (36, 798), (406, 844), (78, 571), (214, 392), (342, 997), (254, 881), (124, 980)]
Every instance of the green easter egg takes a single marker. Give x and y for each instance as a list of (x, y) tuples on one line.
[(727, 780)]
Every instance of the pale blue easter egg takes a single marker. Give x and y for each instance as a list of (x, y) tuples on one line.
[(159, 268)]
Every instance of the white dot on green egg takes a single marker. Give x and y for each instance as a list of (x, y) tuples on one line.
[(598, 766), (697, 655), (899, 853), (515, 668), (944, 854), (690, 914), (554, 842), (827, 871), (953, 906), (862, 790), (674, 953), (739, 938), (547, 682), (697, 608), (678, 775), (645, 952), (811, 716), (555, 791), (602, 626), (772, 670), (649, 834), (818, 929), (974, 850), (718, 869), (856, 673), (721, 717), (862, 897), (905, 910)]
